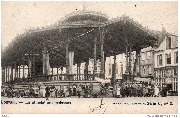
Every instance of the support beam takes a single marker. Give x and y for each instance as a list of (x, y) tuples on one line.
[(130, 67), (102, 74), (79, 71), (8, 73), (139, 62), (15, 74), (127, 67), (57, 71), (86, 70), (71, 61), (113, 72), (16, 71), (52, 74), (52, 71), (19, 71), (67, 57), (11, 72), (23, 67), (57, 74), (33, 64), (29, 66), (137, 66), (3, 74), (95, 48), (46, 66)]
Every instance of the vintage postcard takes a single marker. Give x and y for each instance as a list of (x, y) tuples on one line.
[(97, 57)]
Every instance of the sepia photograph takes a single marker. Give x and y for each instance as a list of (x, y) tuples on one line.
[(89, 57)]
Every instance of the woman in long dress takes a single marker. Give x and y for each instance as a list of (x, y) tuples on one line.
[(118, 94), (156, 91)]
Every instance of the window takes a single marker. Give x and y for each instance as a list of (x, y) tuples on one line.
[(149, 69), (162, 73), (168, 73), (175, 84), (110, 69), (143, 56), (168, 58), (163, 80), (144, 70), (156, 74), (159, 59), (175, 57), (168, 43), (175, 71), (148, 55), (116, 70), (158, 82), (159, 74), (121, 69)]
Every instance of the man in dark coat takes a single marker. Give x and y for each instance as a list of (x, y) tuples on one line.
[(47, 92)]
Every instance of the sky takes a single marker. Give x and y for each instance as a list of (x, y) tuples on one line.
[(17, 17)]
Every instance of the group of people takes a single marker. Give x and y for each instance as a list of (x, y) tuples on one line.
[(69, 90), (139, 90), (90, 90), (51, 91)]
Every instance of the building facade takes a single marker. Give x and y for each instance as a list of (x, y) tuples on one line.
[(166, 62)]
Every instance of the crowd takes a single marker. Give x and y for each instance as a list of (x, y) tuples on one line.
[(140, 90), (70, 90), (88, 90)]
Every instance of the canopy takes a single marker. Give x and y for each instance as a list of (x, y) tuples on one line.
[(79, 30)]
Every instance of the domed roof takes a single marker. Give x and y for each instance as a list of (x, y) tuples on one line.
[(80, 16)]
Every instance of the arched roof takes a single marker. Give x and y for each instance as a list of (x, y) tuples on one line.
[(80, 16), (117, 33)]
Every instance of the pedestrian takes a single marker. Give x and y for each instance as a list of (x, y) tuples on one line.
[(156, 91), (56, 93), (62, 91), (91, 88), (74, 90), (52, 91), (79, 91), (65, 91), (84, 90), (47, 92), (138, 91), (88, 92), (144, 91), (118, 91), (70, 90)]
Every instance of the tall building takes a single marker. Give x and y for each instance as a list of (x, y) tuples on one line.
[(166, 62), (147, 62)]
